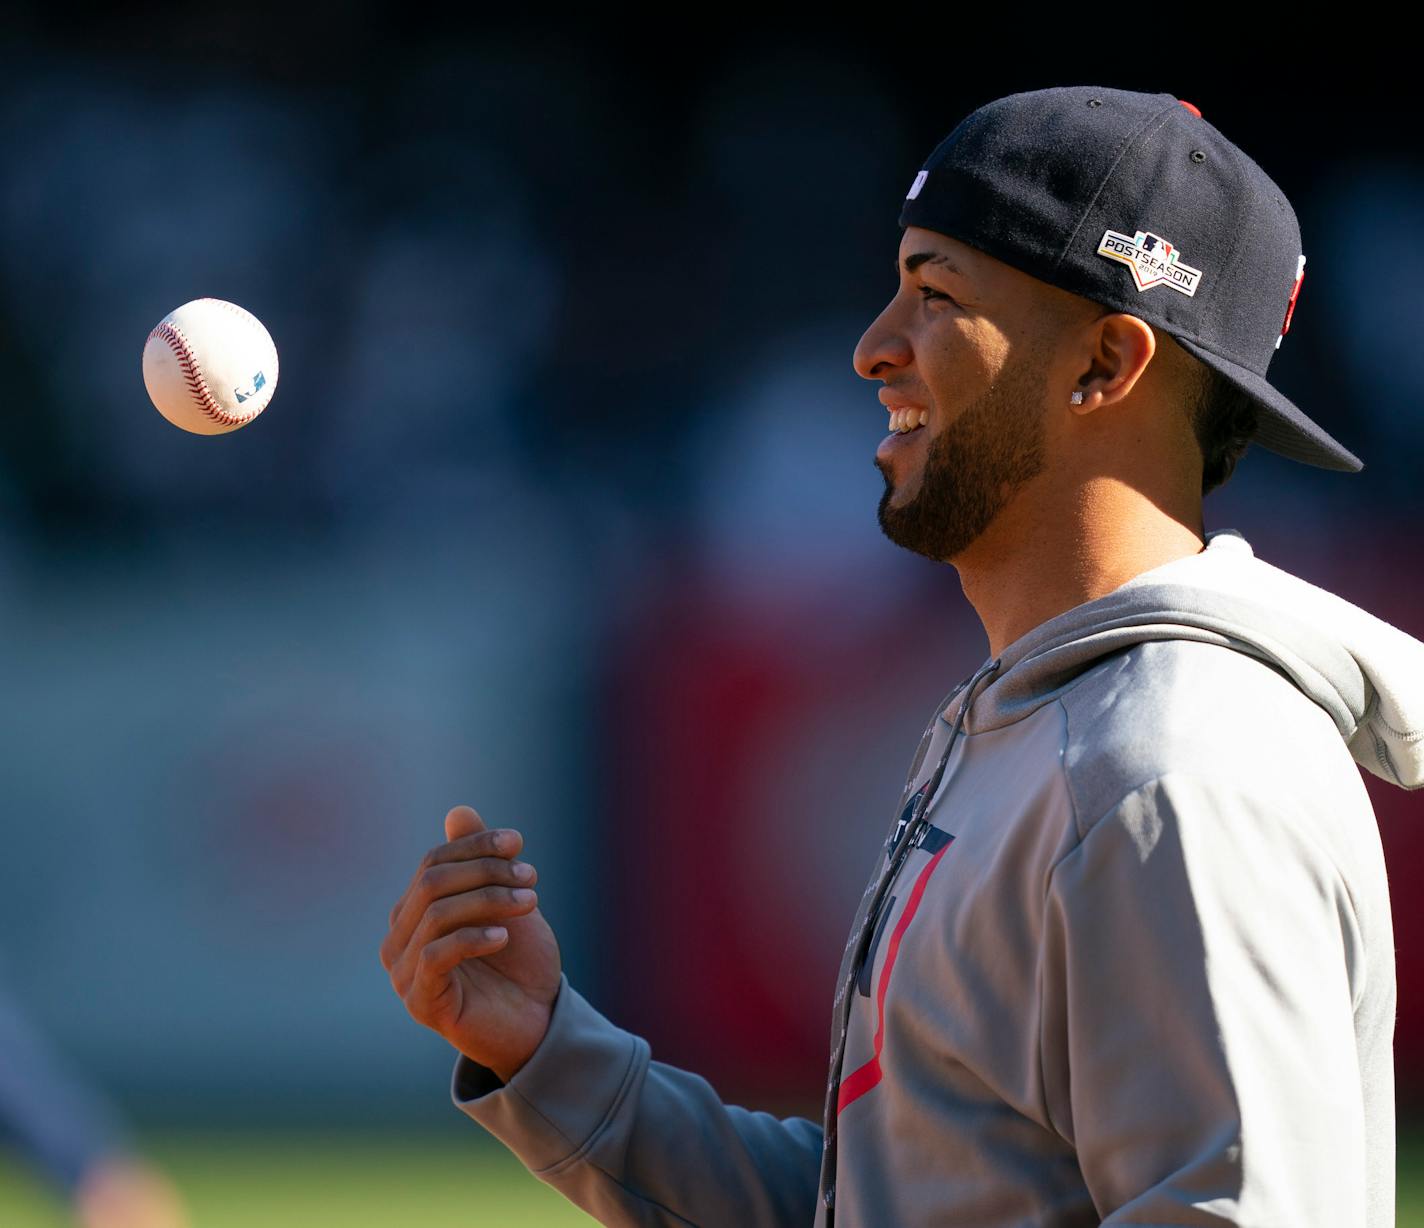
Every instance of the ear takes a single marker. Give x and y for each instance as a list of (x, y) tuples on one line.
[(1120, 348)]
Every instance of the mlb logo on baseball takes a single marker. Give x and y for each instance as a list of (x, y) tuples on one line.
[(1153, 261), (259, 382)]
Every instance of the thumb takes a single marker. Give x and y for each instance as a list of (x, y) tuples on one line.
[(462, 821)]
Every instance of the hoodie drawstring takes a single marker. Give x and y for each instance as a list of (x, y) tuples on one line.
[(907, 831), (927, 790)]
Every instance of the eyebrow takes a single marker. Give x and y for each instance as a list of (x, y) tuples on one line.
[(939, 258)]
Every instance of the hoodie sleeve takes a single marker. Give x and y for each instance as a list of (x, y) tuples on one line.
[(638, 1142), (1199, 1049)]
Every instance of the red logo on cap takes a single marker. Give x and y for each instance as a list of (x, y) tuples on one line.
[(1290, 307), (1194, 110)]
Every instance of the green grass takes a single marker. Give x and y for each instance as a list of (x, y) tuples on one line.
[(307, 1181)]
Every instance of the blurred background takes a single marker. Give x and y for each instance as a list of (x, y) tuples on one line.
[(564, 508)]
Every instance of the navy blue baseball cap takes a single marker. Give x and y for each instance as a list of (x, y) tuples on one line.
[(1136, 202)]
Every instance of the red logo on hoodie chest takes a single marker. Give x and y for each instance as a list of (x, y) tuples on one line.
[(867, 1076)]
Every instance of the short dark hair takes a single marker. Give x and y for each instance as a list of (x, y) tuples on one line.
[(1224, 420)]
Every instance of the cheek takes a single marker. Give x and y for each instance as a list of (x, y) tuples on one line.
[(958, 364)]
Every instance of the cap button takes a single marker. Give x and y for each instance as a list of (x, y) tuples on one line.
[(1194, 110)]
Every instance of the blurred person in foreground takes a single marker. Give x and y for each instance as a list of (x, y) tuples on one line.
[(71, 1135), (1127, 955)]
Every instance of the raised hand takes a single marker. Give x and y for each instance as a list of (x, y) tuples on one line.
[(468, 951)]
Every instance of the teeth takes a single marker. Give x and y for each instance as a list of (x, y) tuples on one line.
[(906, 418)]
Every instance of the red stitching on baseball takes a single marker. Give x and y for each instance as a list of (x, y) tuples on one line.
[(197, 385)]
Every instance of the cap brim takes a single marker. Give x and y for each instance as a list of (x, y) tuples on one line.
[(1283, 428)]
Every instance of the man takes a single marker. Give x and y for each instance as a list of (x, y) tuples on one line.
[(1128, 957)]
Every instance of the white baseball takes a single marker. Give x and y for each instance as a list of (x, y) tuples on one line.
[(210, 366)]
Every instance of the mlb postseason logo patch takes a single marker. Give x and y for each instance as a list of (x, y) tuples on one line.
[(917, 185), (1153, 261)]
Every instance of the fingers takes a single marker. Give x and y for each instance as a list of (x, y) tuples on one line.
[(470, 879), (484, 906), (501, 842), (439, 959), (446, 878), (462, 821)]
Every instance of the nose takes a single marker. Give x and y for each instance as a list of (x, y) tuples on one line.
[(881, 347)]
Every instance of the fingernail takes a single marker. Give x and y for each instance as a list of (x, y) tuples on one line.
[(504, 841), (522, 870), (494, 934), (522, 895)]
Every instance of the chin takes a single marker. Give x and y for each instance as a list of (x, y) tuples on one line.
[(898, 497)]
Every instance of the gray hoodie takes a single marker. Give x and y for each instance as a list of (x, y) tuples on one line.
[(1135, 964)]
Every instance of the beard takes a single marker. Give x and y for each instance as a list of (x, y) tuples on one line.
[(975, 465)]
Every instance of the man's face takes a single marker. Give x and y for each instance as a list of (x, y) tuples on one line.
[(959, 344)]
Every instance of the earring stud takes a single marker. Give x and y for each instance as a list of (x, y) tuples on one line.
[(1077, 397)]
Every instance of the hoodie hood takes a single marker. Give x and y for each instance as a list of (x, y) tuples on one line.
[(1367, 674)]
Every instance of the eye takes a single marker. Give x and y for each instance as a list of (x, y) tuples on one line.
[(929, 292)]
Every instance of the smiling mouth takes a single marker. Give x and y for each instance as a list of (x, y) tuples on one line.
[(906, 418)]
